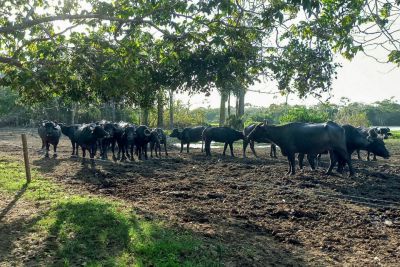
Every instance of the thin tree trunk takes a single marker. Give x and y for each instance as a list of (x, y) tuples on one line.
[(171, 109), (229, 104), (237, 106), (222, 109), (73, 112), (145, 116), (160, 110), (240, 110), (113, 110)]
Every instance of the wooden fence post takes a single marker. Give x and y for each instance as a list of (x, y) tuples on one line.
[(26, 159)]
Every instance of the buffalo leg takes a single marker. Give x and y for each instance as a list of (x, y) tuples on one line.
[(181, 146), (151, 149), (225, 146), (55, 150), (292, 164), (374, 159), (122, 146), (113, 150), (368, 155), (318, 160), (207, 147), (47, 149), (345, 157), (73, 148), (252, 148), (273, 151), (103, 150), (358, 154), (300, 158), (332, 162), (187, 147), (131, 148), (245, 143), (166, 152), (119, 152), (231, 148)]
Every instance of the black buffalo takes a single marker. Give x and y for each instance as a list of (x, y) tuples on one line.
[(221, 134), (384, 132), (376, 146), (50, 134), (114, 134), (157, 139), (189, 135), (127, 141), (69, 131), (258, 139), (87, 137), (143, 135), (307, 138), (357, 140)]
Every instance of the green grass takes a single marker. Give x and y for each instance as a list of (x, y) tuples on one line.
[(95, 231), (395, 134)]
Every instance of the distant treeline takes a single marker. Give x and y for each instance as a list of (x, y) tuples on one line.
[(14, 113)]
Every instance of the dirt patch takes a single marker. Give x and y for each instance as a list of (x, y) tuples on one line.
[(250, 205)]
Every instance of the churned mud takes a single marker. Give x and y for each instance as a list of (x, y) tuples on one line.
[(256, 212)]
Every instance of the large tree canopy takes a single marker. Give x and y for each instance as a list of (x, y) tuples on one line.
[(127, 50)]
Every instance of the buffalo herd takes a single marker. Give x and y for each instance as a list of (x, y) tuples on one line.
[(304, 139)]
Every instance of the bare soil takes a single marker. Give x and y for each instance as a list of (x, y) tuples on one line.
[(260, 215)]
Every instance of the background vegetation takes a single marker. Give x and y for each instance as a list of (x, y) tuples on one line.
[(13, 112)]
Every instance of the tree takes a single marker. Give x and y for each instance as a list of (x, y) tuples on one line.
[(193, 46)]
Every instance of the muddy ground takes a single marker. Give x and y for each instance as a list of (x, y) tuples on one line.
[(260, 215)]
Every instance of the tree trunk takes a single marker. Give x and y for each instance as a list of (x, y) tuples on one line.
[(73, 112), (240, 111), (237, 106), (171, 109), (160, 110), (112, 110), (222, 109), (229, 104), (145, 116)]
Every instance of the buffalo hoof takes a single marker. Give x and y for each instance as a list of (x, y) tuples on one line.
[(46, 156), (329, 173), (55, 156)]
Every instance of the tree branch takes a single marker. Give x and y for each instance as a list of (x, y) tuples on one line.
[(29, 23), (11, 61)]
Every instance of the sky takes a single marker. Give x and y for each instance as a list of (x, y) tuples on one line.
[(361, 79)]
